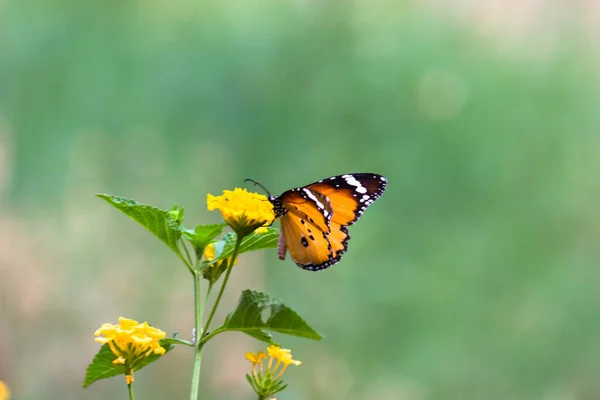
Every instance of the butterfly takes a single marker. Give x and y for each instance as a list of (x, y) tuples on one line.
[(314, 218)]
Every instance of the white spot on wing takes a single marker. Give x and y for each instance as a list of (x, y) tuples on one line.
[(313, 198), (350, 180)]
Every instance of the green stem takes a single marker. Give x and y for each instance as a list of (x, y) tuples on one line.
[(198, 311), (130, 390), (185, 249), (208, 292), (198, 335), (209, 336), (227, 274)]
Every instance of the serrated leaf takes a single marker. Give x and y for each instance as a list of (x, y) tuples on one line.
[(254, 241), (247, 318), (258, 241), (202, 235), (177, 214), (165, 225), (102, 366)]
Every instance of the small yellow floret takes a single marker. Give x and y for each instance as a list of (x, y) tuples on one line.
[(286, 359), (119, 360), (256, 358), (277, 352)]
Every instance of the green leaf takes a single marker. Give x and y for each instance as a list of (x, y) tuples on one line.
[(254, 241), (202, 235), (102, 366), (177, 214), (261, 335), (169, 341), (165, 225), (251, 382), (258, 241), (153, 357), (247, 318)]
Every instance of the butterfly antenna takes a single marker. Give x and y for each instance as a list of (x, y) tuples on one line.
[(259, 184)]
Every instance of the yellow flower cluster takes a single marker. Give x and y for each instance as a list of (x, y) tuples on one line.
[(242, 210), (283, 357), (131, 342)]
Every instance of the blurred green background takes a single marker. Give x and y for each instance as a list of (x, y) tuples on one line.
[(474, 277)]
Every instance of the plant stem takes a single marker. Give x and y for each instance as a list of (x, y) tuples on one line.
[(209, 336), (198, 327), (198, 311), (185, 249), (130, 390), (227, 274)]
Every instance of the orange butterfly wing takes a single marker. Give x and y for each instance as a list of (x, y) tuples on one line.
[(305, 228), (314, 218), (349, 195), (308, 246)]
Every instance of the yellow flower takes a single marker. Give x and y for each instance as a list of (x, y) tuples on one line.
[(286, 359), (266, 383), (242, 210), (131, 342), (283, 356), (4, 391), (276, 352), (255, 358), (209, 254)]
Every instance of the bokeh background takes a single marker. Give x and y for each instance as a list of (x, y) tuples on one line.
[(476, 276)]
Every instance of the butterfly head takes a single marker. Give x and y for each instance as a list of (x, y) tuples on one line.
[(275, 200), (278, 207)]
